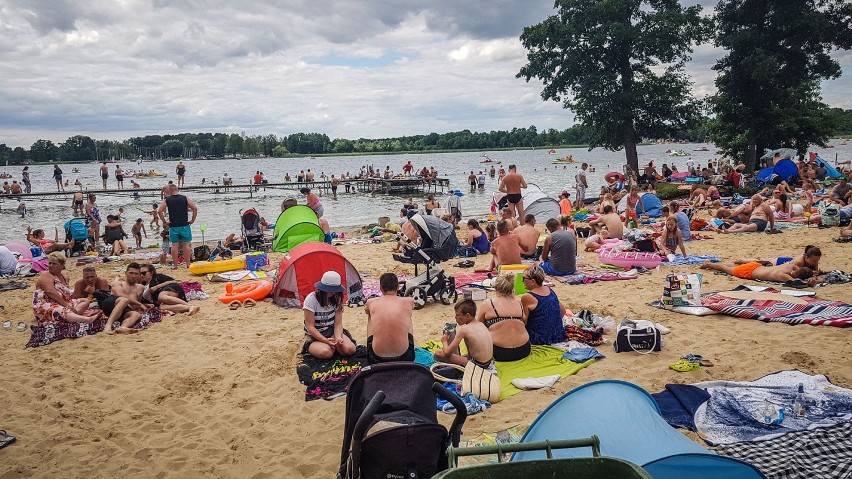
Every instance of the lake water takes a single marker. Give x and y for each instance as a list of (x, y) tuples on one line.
[(222, 211)]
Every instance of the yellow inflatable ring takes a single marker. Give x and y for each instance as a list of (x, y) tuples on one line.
[(255, 290)]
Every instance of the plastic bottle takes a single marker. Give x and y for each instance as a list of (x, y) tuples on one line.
[(799, 408), (768, 412)]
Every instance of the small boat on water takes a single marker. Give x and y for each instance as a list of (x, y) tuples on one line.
[(551, 152), (677, 153), (703, 148), (567, 159), (75, 170), (488, 159), (150, 174)]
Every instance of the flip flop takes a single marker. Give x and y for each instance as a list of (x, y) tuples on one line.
[(683, 365), (7, 325), (22, 326), (5, 439), (249, 303), (697, 358), (233, 305)]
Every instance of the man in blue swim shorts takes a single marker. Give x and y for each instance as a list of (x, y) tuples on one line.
[(559, 253), (180, 231)]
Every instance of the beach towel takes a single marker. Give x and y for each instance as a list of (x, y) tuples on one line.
[(511, 435), (731, 412), (51, 332), (815, 311), (824, 452), (464, 280), (472, 403), (329, 378), (542, 361), (681, 260)]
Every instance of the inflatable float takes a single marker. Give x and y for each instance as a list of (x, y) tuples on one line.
[(204, 267), (255, 290), (630, 259), (613, 177)]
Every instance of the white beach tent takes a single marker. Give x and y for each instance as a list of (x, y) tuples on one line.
[(536, 203)]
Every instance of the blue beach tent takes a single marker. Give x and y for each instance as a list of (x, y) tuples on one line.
[(830, 171), (651, 205), (784, 170), (628, 422)]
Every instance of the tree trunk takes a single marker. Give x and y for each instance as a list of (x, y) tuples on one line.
[(751, 153), (630, 152)]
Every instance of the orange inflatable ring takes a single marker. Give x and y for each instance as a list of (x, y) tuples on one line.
[(255, 290), (614, 176)]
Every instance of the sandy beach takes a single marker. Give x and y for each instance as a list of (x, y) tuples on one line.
[(216, 394)]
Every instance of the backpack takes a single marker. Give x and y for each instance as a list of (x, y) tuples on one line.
[(830, 213), (75, 229)]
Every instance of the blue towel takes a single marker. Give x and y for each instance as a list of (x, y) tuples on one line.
[(581, 355), (473, 404), (678, 403), (681, 260), (423, 357)]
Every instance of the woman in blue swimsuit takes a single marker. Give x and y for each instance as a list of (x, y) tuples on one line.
[(477, 238), (543, 310)]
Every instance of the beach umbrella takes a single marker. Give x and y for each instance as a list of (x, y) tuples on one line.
[(785, 153)]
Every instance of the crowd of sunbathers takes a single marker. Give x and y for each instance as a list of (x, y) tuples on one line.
[(501, 329), (122, 301)]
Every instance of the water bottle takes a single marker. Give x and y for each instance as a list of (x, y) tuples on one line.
[(799, 409), (768, 412)]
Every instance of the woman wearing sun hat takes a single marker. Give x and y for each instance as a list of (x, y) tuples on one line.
[(324, 333)]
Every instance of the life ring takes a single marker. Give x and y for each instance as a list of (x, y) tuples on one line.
[(255, 290), (613, 177)]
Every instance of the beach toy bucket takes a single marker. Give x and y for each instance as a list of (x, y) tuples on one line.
[(36, 251)]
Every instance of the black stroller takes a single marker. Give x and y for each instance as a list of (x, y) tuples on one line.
[(253, 238), (392, 427), (438, 243)]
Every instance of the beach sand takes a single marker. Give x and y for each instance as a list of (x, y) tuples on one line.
[(216, 394)]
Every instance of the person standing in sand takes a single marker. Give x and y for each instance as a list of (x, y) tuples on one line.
[(53, 300), (476, 337), (390, 332), (511, 184), (104, 174), (529, 236), (180, 229)]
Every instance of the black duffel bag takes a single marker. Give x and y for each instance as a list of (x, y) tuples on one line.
[(640, 336)]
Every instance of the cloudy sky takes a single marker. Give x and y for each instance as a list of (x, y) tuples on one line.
[(350, 69)]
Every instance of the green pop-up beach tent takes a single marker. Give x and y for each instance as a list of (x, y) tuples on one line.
[(294, 226)]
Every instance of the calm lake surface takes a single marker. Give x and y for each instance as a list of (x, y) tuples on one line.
[(222, 211)]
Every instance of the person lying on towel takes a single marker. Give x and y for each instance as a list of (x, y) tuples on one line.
[(759, 271)]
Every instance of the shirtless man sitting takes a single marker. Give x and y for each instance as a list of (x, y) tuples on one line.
[(506, 248), (759, 271), (511, 184), (390, 332), (477, 339), (761, 215), (91, 282), (698, 196), (609, 220), (506, 214), (529, 236), (123, 304)]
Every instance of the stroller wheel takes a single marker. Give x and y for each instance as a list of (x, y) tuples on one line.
[(419, 295), (446, 296)]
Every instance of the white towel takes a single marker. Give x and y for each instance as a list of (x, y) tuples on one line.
[(535, 383)]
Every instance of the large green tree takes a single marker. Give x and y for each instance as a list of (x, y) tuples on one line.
[(618, 64), (769, 81), (78, 148), (43, 151)]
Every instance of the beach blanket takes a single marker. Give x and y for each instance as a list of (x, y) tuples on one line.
[(511, 435), (731, 412), (464, 280), (681, 260), (542, 361), (12, 285), (815, 311), (47, 333), (329, 378), (824, 452)]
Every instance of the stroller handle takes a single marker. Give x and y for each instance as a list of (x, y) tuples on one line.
[(461, 411), (360, 430)]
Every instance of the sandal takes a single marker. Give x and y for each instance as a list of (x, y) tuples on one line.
[(697, 358), (249, 303), (5, 439), (21, 327), (233, 305), (7, 325), (683, 365)]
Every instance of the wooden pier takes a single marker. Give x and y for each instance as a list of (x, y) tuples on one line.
[(395, 186)]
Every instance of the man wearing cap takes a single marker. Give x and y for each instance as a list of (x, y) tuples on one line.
[(390, 332), (323, 308)]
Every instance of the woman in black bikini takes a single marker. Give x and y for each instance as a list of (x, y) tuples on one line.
[(504, 317)]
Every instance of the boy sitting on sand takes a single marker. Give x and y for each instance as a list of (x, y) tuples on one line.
[(477, 338)]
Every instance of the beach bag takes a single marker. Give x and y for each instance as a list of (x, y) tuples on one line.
[(646, 245), (201, 253), (683, 289), (256, 261), (697, 224), (582, 232), (640, 336), (830, 213), (476, 380)]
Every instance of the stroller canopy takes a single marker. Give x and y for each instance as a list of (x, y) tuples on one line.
[(633, 430), (294, 226), (651, 205), (251, 222), (305, 265), (434, 231)]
